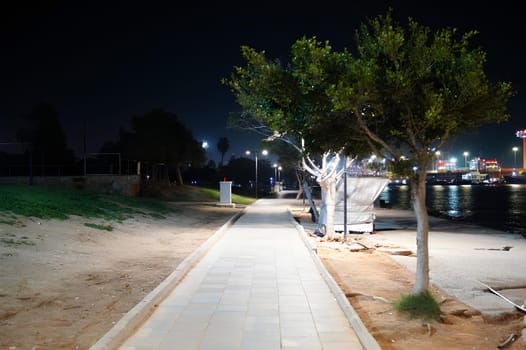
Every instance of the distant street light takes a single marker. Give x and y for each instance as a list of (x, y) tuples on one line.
[(279, 172), (515, 149), (264, 152), (466, 154), (438, 158)]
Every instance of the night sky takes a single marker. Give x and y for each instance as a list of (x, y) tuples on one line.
[(100, 63)]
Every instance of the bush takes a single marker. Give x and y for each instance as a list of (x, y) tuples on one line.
[(422, 305)]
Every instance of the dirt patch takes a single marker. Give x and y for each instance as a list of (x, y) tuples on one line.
[(371, 280), (63, 285)]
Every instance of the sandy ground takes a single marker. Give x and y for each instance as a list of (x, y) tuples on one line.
[(64, 285), (373, 278)]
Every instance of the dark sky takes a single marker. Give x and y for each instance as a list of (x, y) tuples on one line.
[(100, 63)]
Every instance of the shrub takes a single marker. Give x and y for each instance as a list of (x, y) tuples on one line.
[(422, 305)]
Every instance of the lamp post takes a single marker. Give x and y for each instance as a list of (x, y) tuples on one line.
[(466, 154), (279, 172), (515, 149), (264, 152), (438, 158)]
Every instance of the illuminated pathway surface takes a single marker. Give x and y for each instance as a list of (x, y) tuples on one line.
[(258, 287)]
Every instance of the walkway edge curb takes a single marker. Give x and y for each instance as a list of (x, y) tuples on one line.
[(366, 339), (129, 323)]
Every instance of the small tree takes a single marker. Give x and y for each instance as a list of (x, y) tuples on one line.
[(280, 101), (411, 89)]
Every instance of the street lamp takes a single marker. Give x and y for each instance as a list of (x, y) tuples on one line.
[(264, 152), (466, 154), (438, 158), (279, 172), (515, 149)]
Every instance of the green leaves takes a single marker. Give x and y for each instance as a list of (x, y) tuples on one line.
[(407, 90)]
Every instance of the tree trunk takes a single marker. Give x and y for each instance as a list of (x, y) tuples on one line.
[(179, 174), (329, 191), (418, 193), (301, 180)]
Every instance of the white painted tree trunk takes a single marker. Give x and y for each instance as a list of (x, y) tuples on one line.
[(328, 188), (327, 177), (418, 192)]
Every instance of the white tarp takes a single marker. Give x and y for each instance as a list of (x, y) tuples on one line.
[(362, 191)]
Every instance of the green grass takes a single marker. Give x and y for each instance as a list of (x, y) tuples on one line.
[(60, 203), (99, 227), (422, 305), (8, 221), (10, 241)]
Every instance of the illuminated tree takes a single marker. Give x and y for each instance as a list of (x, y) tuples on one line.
[(280, 103)]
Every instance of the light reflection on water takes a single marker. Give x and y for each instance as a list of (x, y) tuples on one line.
[(502, 207)]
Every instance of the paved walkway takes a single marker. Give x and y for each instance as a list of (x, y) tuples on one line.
[(258, 287)]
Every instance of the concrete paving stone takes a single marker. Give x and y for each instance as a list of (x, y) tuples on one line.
[(295, 317), (286, 308), (264, 289), (220, 343), (336, 324), (253, 322), (264, 299), (256, 288), (261, 339), (232, 307), (176, 300), (206, 299), (263, 309), (342, 346), (293, 299), (235, 299), (227, 317), (300, 329), (337, 337), (328, 312), (296, 291), (183, 339), (301, 342)]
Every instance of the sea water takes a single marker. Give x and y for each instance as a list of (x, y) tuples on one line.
[(502, 207)]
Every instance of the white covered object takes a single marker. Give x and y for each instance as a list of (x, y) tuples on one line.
[(361, 194)]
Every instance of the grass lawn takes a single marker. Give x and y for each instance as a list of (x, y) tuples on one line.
[(59, 203)]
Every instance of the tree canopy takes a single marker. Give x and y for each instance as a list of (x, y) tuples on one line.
[(222, 146), (44, 134), (160, 138), (281, 99)]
